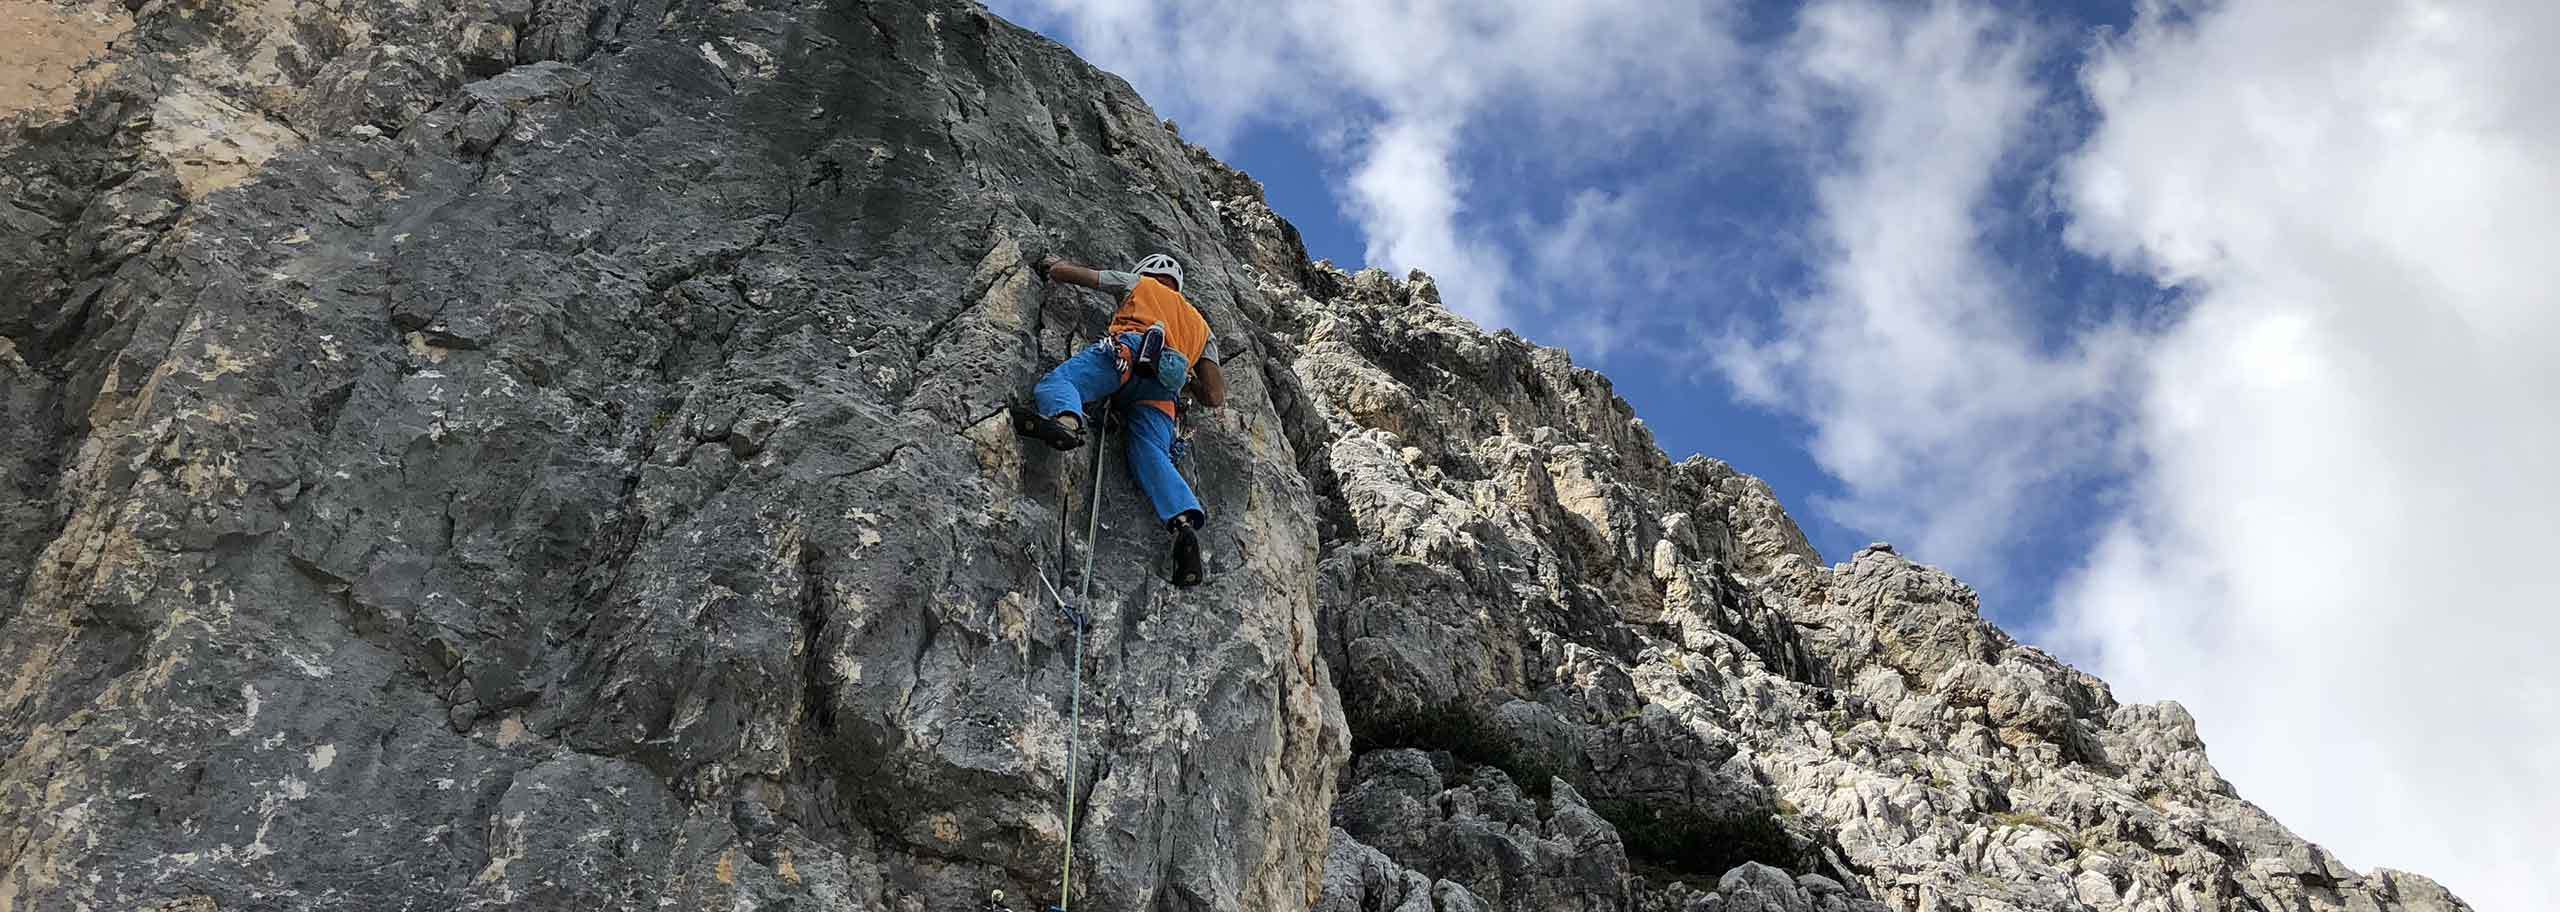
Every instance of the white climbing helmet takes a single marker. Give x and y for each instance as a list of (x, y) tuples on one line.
[(1161, 265)]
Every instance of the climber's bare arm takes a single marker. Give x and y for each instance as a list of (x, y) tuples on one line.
[(1059, 270), (1208, 385)]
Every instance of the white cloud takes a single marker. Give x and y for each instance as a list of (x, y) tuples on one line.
[(1413, 87), (1408, 197), (1915, 358), (2352, 435)]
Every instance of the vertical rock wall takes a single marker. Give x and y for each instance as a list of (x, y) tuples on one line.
[(555, 461)]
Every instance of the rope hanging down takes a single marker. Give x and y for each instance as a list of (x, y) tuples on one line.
[(1076, 618)]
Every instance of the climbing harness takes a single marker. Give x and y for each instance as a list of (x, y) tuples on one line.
[(1076, 617)]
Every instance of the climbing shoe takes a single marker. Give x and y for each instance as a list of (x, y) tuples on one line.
[(1187, 569), (1057, 434)]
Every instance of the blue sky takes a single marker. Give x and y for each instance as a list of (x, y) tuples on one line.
[(2209, 340)]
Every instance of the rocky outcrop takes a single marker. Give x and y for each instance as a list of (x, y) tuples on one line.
[(551, 455), (1516, 576)]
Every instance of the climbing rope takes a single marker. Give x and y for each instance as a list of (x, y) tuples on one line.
[(1077, 618), (1093, 515)]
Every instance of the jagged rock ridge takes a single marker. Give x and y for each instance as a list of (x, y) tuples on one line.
[(545, 455)]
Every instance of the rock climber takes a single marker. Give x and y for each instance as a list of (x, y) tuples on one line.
[(1158, 349)]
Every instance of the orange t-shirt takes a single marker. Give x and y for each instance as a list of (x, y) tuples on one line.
[(1147, 302)]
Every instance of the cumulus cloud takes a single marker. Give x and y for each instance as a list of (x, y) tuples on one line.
[(1408, 196), (1406, 90), (2334, 555), (1916, 359)]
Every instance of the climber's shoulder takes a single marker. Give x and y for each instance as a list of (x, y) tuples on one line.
[(1117, 282)]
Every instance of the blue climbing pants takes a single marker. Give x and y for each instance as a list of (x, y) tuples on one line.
[(1093, 375)]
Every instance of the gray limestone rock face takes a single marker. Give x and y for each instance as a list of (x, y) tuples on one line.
[(553, 455), (1506, 849), (1755, 887), (582, 484), (1358, 878)]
